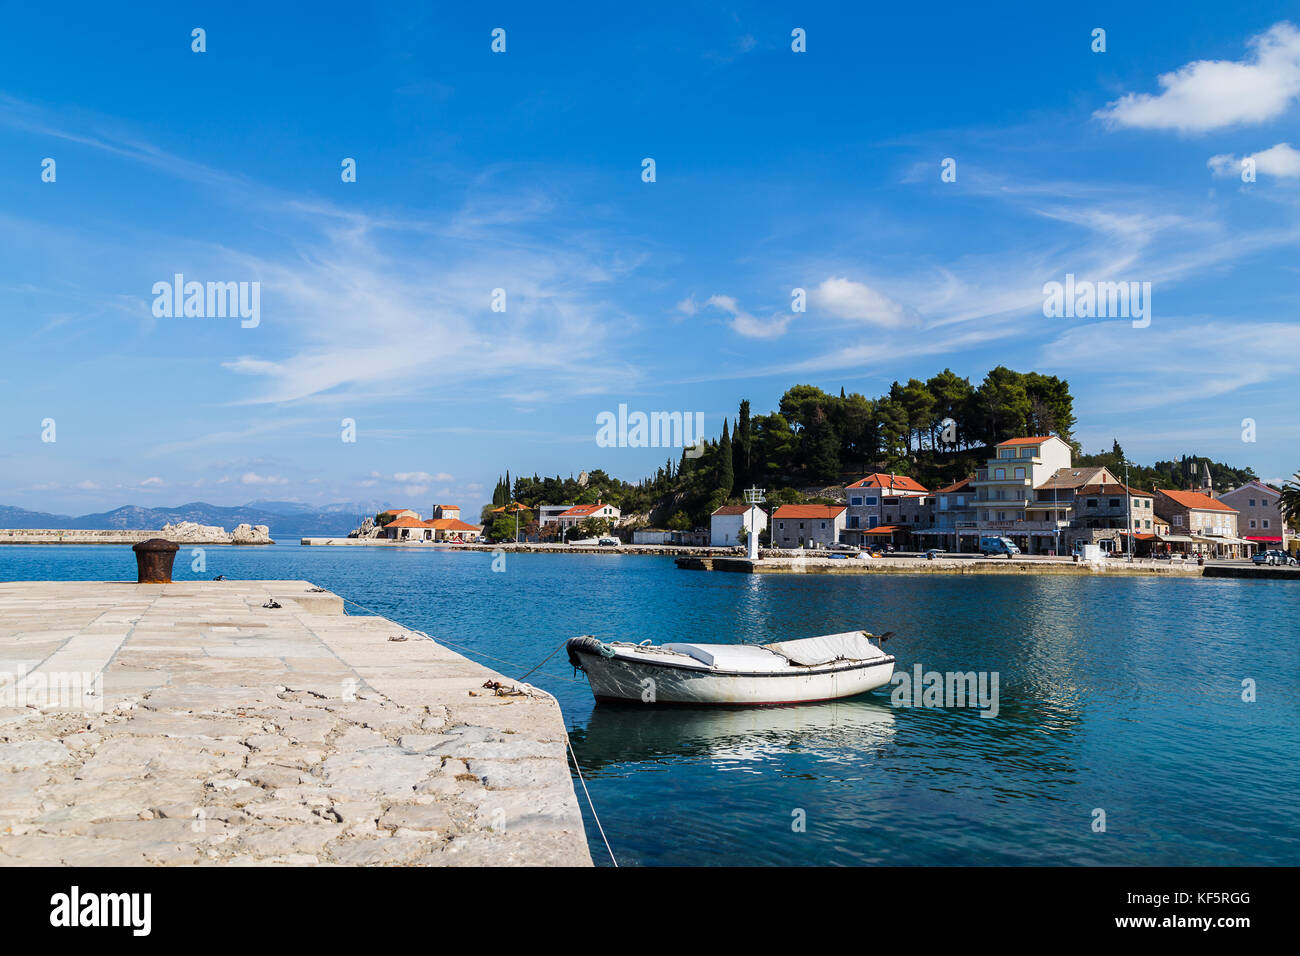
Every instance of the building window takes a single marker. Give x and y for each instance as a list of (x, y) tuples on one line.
[(800, 525), (1113, 503), (1007, 453), (823, 525), (855, 500), (1092, 502), (1252, 502), (1028, 453), (872, 501), (1178, 521), (1252, 522), (1265, 523), (999, 473), (1020, 472), (853, 521)]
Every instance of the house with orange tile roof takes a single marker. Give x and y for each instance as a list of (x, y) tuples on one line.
[(808, 526), (880, 501), (449, 530), (575, 515), (1210, 523)]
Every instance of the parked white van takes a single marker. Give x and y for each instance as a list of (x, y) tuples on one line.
[(997, 546)]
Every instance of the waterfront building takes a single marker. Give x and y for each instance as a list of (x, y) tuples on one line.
[(795, 526), (1210, 524), (1105, 511), (884, 508), (577, 514), (549, 514), (1259, 517), (449, 529), (406, 527), (1007, 492), (727, 522), (953, 513)]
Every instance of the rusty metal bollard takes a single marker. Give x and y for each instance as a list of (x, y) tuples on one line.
[(153, 560)]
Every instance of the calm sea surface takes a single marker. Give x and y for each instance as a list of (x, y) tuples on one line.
[(1116, 694)]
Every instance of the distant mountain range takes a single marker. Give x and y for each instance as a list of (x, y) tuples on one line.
[(286, 519)]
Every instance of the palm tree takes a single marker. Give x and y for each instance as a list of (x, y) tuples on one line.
[(1289, 503)]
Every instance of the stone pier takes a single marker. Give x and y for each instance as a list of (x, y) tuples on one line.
[(190, 723)]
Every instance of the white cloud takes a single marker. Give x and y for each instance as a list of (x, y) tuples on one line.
[(253, 478), (747, 325), (151, 482), (1211, 94), (846, 299), (422, 477), (1281, 160), (1198, 360)]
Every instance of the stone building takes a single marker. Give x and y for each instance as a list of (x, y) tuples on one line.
[(884, 509), (1259, 517), (1210, 524), (809, 526)]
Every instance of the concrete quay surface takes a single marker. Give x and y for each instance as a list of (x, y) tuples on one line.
[(186, 723)]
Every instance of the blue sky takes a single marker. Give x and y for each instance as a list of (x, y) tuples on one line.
[(522, 171)]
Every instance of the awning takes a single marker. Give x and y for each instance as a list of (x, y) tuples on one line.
[(1253, 537), (883, 529), (1177, 538)]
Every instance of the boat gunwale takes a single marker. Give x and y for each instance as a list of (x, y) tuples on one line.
[(706, 669)]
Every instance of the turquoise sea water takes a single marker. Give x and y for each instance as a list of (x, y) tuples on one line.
[(1116, 694)]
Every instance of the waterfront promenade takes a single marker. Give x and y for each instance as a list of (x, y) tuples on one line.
[(190, 723)]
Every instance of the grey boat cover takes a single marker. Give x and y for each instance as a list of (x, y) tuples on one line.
[(849, 646)]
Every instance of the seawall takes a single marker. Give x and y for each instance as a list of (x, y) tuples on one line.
[(117, 536)]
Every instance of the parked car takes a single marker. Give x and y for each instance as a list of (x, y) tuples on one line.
[(1273, 556), (844, 546), (998, 545), (609, 542)]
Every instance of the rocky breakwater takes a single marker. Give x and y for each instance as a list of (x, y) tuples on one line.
[(187, 532), (182, 532)]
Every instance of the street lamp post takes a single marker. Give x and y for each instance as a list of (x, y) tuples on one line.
[(1128, 512)]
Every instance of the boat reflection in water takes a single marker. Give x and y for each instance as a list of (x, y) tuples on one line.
[(841, 730)]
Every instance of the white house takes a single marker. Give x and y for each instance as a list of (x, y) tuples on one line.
[(547, 514), (576, 515), (726, 524)]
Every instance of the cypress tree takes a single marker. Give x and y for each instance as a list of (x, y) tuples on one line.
[(726, 474)]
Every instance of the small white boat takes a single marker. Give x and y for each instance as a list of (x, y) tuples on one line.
[(788, 672)]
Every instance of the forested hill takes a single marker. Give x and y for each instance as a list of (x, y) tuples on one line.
[(936, 431)]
